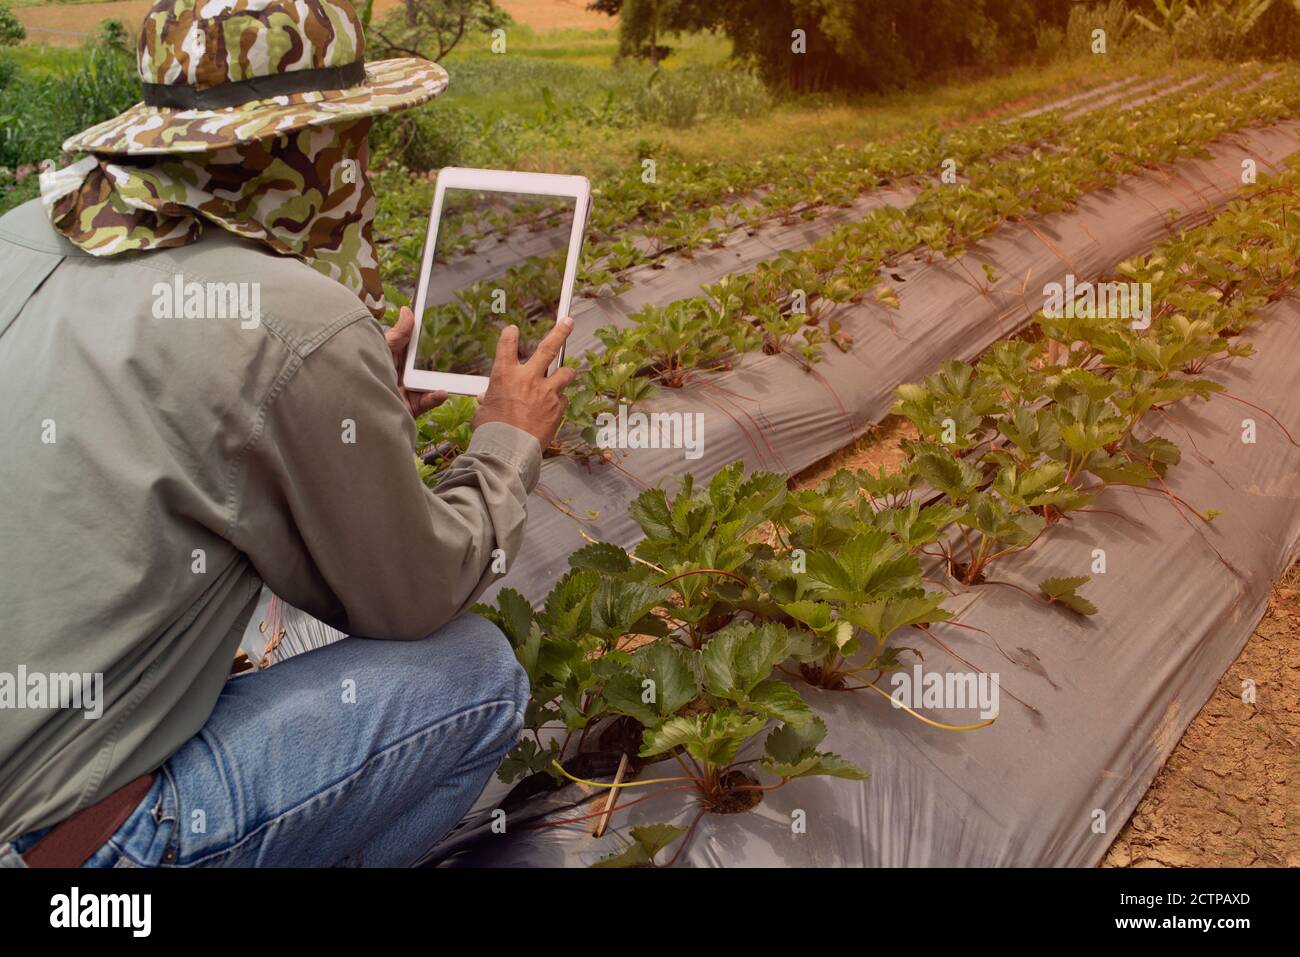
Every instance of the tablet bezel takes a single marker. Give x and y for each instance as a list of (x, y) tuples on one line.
[(501, 181)]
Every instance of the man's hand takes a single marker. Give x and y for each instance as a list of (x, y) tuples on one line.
[(520, 393), (398, 338)]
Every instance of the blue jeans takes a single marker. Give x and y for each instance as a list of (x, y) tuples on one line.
[(361, 753)]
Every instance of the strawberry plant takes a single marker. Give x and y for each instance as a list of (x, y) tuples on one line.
[(689, 641), (683, 639), (673, 344), (442, 434), (646, 842)]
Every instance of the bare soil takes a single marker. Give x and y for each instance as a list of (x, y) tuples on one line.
[(1229, 796), (882, 445), (69, 24)]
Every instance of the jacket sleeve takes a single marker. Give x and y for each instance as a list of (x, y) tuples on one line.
[(331, 511)]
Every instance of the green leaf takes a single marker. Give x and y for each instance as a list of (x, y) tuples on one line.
[(1118, 470), (817, 763), (601, 557), (711, 739), (567, 612), (791, 752), (1064, 591), (776, 699), (529, 652), (647, 841), (672, 684), (868, 563), (815, 614), (740, 656), (527, 758), (618, 605), (788, 742), (882, 618), (650, 511), (512, 614), (956, 478)]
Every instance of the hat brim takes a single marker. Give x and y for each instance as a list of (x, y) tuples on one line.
[(143, 130)]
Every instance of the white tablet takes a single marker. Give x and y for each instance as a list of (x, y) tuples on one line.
[(497, 242)]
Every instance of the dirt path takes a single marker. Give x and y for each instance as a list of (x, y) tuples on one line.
[(1229, 795), (69, 24)]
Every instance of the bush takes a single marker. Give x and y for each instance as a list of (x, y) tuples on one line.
[(113, 34), (1114, 17), (37, 115), (431, 28), (1049, 41), (680, 98), (423, 140), (12, 31), (848, 44), (1238, 30), (444, 135)]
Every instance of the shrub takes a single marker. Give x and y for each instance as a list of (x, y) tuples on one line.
[(1236, 30), (113, 34), (38, 114), (1113, 17), (426, 139), (680, 98), (849, 44), (12, 31), (432, 28), (1049, 41)]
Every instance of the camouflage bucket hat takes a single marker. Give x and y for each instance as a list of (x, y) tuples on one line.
[(220, 72)]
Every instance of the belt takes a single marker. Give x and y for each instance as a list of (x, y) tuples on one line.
[(70, 843)]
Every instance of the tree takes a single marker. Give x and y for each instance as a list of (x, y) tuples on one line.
[(432, 28), (12, 31), (641, 24), (846, 44)]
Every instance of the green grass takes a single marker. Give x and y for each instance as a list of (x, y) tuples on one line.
[(558, 102), (496, 107), (47, 95), (44, 61), (577, 66), (593, 47)]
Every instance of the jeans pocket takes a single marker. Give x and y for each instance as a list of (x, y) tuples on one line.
[(146, 838)]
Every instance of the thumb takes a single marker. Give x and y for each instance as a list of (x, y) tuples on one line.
[(400, 332)]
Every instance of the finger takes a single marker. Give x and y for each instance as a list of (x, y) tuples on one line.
[(549, 347), (422, 402), (399, 334), (507, 348), (562, 379)]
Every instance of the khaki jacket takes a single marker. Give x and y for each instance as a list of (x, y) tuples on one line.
[(156, 470)]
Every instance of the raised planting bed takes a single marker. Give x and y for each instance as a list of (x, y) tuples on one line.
[(446, 430), (690, 337), (659, 262), (773, 412), (766, 653)]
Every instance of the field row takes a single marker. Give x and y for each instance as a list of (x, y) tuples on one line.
[(831, 188), (1020, 446), (691, 335)]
